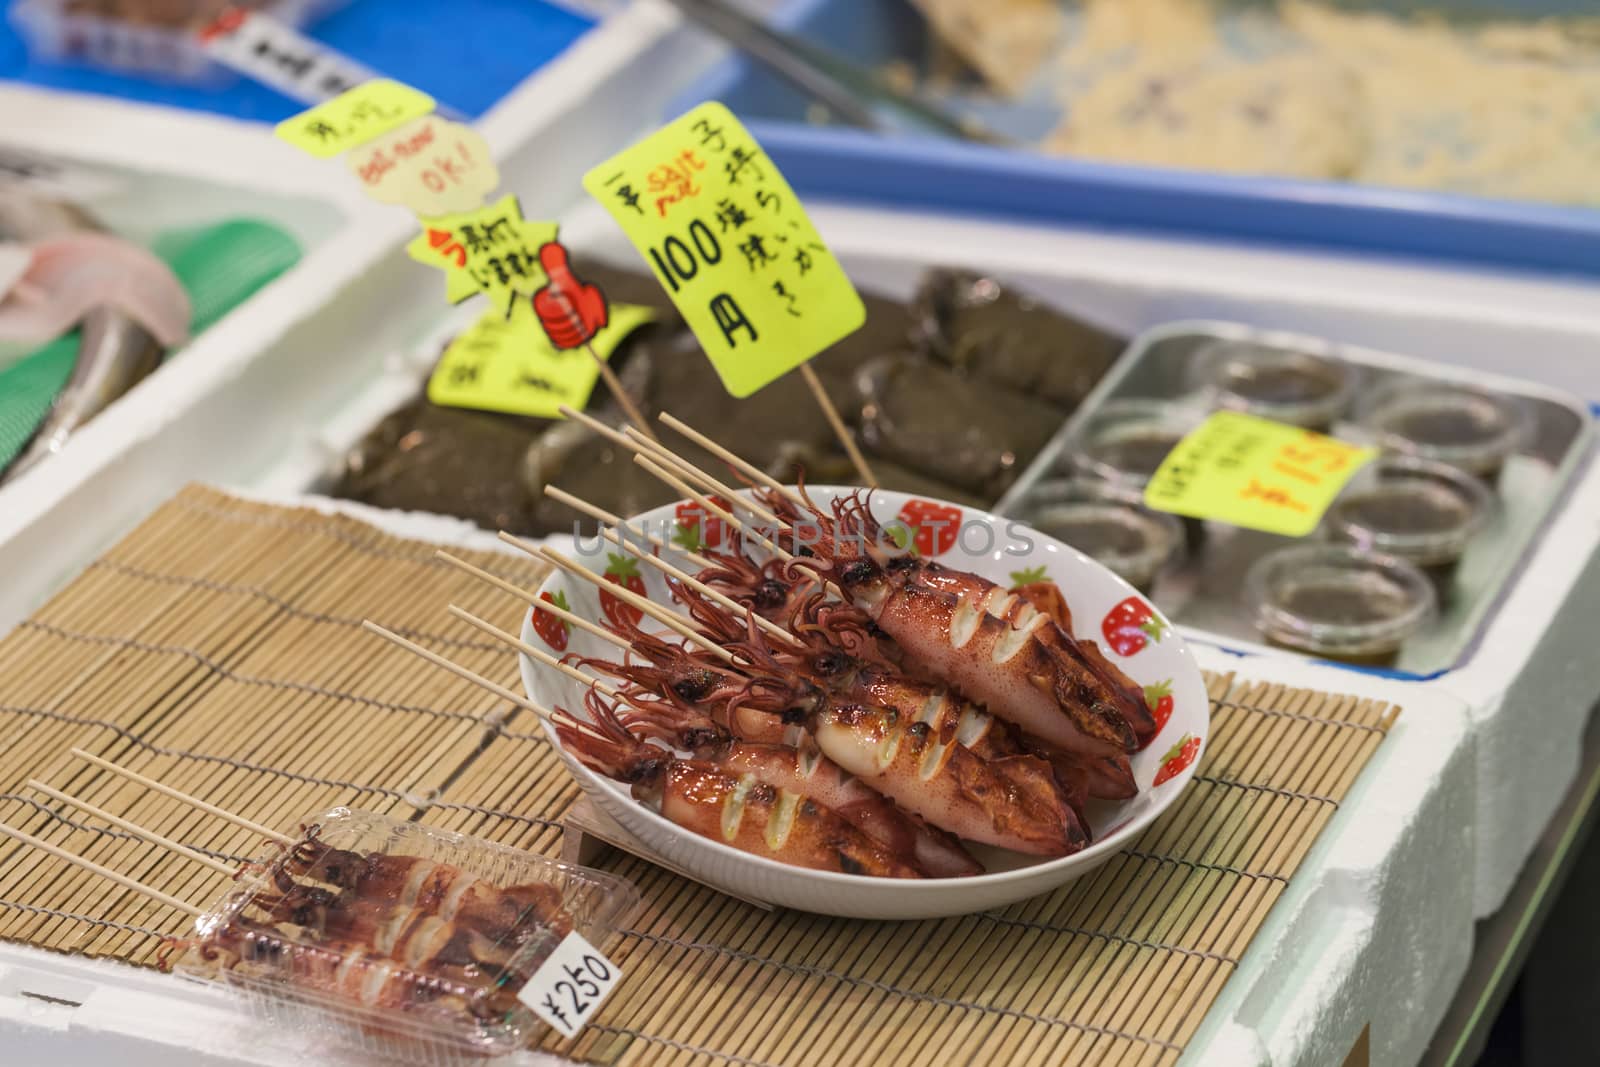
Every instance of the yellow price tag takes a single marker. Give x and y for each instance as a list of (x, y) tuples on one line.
[(491, 250), (1256, 473), (354, 117), (430, 165), (509, 365), (728, 238)]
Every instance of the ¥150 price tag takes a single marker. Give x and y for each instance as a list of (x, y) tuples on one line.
[(1256, 473), (510, 365), (728, 238), (571, 985)]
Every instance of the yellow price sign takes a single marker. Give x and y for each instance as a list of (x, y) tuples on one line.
[(509, 365), (727, 237), (430, 165), (491, 250), (354, 117), (1256, 473)]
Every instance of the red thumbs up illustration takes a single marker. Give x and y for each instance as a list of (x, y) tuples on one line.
[(570, 311)]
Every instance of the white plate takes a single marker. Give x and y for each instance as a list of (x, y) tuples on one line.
[(995, 548)]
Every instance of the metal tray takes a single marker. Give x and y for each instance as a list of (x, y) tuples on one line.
[(1202, 593)]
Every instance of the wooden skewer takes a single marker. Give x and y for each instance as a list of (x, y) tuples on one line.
[(614, 436), (498, 690), (608, 375), (700, 587), (723, 453), (689, 470), (105, 872), (614, 384), (602, 515), (133, 828), (528, 650), (840, 430), (750, 469), (675, 483), (640, 445), (672, 481), (667, 618), (530, 598), (211, 809)]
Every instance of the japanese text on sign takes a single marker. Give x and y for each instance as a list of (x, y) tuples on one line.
[(275, 54), (571, 985), (728, 238), (1256, 473), (510, 365), (353, 118), (431, 165), (492, 250)]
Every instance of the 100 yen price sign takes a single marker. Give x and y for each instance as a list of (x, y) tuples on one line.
[(1256, 473), (729, 240)]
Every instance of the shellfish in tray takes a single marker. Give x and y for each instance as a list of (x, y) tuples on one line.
[(968, 432), (989, 330)]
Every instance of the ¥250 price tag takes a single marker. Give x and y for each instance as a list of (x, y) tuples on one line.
[(1256, 473), (728, 238), (571, 985), (510, 365)]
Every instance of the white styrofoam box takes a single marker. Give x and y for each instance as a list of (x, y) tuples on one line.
[(1532, 680), (290, 373), (1374, 928), (282, 411), (274, 409)]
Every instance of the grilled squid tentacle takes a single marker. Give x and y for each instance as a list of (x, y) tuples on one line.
[(1012, 803), (727, 805)]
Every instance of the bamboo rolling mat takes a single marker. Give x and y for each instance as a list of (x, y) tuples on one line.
[(218, 649)]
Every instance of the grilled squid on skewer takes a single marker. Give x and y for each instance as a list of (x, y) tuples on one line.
[(685, 694), (809, 773), (728, 804), (346, 971), (836, 637), (1012, 802), (385, 931), (990, 644), (473, 926), (800, 768), (378, 880)]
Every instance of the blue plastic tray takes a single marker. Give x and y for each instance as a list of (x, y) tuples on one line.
[(920, 173), (467, 54)]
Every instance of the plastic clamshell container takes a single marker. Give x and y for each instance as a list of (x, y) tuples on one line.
[(924, 173), (1155, 374), (281, 986), (166, 49)]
